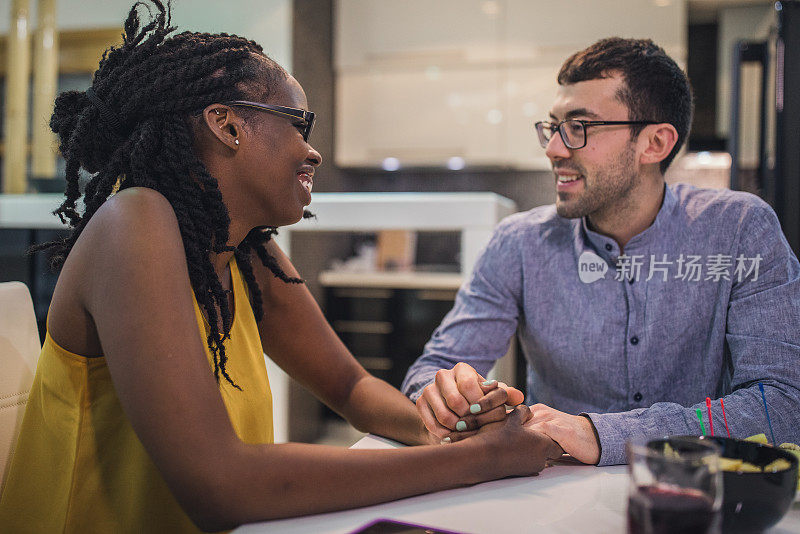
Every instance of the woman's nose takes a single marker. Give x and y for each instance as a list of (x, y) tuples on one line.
[(314, 157)]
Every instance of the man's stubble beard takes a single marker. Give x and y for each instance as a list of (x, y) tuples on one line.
[(610, 185)]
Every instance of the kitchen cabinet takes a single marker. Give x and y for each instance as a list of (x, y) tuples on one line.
[(385, 319), (425, 82)]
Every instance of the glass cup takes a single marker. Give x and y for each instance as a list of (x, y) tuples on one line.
[(675, 485)]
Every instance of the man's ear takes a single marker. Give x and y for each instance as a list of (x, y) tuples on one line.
[(660, 139), (223, 124)]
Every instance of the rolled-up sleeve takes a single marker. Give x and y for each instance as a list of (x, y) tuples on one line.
[(479, 327), (763, 344)]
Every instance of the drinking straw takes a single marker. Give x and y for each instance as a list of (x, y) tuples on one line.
[(766, 410), (725, 419), (700, 418), (710, 419)]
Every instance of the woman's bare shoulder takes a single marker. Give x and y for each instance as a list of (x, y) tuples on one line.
[(137, 208), (136, 221), (137, 226), (133, 234)]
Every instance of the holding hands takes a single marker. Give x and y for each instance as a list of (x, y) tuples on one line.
[(460, 400), (514, 448)]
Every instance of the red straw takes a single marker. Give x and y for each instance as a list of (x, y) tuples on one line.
[(722, 404), (710, 421)]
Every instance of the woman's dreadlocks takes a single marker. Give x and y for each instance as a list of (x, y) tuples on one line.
[(132, 128)]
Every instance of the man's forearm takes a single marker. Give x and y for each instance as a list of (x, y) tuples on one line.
[(744, 411)]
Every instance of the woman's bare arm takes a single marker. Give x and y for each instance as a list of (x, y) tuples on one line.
[(141, 302), (296, 335)]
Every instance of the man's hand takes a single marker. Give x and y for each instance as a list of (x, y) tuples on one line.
[(574, 433), (460, 400)]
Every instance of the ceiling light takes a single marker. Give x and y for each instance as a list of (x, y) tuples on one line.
[(456, 163), (390, 164)]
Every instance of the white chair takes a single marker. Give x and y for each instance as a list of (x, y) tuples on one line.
[(19, 352)]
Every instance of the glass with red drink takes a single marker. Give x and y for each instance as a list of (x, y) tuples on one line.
[(675, 486)]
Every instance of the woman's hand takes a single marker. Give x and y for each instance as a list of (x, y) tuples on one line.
[(461, 400), (513, 449)]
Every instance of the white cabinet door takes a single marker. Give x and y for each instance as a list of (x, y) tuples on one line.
[(398, 32), (426, 81), (546, 29), (420, 117)]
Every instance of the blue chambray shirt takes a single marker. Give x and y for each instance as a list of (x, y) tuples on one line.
[(637, 355)]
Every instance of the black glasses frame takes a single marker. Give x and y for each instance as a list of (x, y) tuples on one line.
[(542, 126), (307, 117)]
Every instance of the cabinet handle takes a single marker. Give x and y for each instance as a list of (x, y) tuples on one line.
[(363, 293), (433, 294), (363, 327), (376, 363)]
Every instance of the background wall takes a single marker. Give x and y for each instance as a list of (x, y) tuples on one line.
[(268, 22)]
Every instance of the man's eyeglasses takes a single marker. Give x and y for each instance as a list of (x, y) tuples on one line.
[(302, 118), (573, 131)]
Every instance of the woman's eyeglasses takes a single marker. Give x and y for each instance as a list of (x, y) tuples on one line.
[(305, 119), (573, 131)]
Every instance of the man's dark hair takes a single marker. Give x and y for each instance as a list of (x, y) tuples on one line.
[(133, 128), (655, 88)]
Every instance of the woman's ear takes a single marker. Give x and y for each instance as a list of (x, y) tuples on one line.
[(223, 124), (660, 139)]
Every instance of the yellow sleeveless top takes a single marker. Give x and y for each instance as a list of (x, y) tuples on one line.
[(78, 465)]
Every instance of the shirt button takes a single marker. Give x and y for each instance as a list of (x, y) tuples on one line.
[(637, 397), (608, 247), (634, 340)]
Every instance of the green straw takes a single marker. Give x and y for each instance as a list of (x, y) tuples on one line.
[(700, 418)]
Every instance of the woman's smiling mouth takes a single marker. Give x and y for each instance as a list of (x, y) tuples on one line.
[(306, 177)]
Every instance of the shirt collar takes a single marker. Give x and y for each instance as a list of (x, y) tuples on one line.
[(609, 249)]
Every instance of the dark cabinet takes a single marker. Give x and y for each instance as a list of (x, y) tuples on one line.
[(386, 328)]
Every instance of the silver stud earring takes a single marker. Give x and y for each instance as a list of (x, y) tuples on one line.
[(236, 141), (216, 111)]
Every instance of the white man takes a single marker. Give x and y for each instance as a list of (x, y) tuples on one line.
[(632, 301)]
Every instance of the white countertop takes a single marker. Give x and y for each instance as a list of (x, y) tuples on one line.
[(473, 214), (562, 498), (31, 211), (391, 279), (405, 211), (335, 211)]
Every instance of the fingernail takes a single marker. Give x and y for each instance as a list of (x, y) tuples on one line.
[(475, 408), (489, 382), (461, 425), (445, 440)]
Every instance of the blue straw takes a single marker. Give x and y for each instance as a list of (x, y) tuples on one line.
[(766, 410)]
